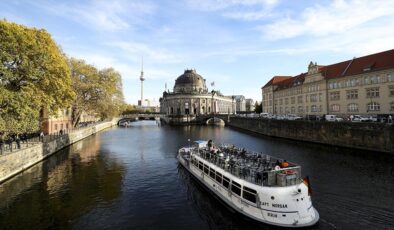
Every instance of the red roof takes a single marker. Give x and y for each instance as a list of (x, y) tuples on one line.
[(373, 62), (275, 80), (290, 82)]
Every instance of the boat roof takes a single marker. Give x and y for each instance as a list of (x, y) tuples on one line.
[(200, 142)]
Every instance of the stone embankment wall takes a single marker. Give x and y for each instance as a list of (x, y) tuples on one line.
[(368, 136), (17, 161)]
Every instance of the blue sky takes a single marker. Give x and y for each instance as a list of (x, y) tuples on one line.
[(238, 44)]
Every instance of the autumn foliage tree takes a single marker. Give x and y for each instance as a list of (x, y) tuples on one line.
[(98, 92), (33, 75)]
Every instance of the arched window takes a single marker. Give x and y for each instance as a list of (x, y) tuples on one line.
[(352, 107), (334, 108), (373, 106)]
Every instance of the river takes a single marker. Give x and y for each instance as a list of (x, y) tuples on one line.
[(129, 178)]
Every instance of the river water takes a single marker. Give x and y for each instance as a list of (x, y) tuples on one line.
[(129, 178)]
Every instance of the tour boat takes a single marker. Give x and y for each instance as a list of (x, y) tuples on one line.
[(253, 184)]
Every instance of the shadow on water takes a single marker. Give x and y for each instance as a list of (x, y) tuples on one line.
[(66, 185)]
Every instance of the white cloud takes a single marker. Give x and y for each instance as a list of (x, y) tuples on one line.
[(102, 15), (157, 55), (247, 10), (336, 18)]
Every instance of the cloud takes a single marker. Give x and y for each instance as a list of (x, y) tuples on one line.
[(157, 55), (336, 18), (246, 10), (101, 15)]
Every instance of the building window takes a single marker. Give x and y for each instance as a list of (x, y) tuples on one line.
[(293, 100), (55, 127), (372, 92), (389, 77), (286, 101), (373, 106), (352, 94), (313, 98), (335, 108), (300, 109), (392, 106), (366, 80), (335, 96), (320, 97), (391, 90), (352, 107), (313, 108), (293, 110), (306, 98), (281, 101), (299, 99)]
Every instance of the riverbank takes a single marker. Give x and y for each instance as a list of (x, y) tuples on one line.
[(15, 162), (367, 136)]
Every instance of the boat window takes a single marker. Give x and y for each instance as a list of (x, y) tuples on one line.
[(195, 162), (200, 165), (218, 177), (206, 169), (226, 182), (212, 173), (236, 188), (249, 194)]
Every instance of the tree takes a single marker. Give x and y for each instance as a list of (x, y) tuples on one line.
[(33, 75), (258, 107), (98, 92)]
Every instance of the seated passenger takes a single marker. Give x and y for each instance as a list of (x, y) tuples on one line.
[(277, 165), (285, 164)]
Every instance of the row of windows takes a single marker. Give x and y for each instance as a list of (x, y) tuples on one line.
[(300, 109), (247, 193), (353, 107), (361, 81)]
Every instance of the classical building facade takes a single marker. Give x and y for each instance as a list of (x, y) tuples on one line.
[(191, 97), (363, 85), (249, 105)]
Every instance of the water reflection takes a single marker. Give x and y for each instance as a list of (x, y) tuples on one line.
[(69, 184), (130, 178)]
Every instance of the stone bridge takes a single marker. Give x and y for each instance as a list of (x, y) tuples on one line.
[(139, 116)]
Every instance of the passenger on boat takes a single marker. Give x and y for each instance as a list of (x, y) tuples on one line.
[(285, 164), (277, 165)]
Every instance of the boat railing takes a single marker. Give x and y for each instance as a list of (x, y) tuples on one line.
[(256, 168)]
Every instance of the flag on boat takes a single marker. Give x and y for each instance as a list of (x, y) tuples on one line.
[(308, 183)]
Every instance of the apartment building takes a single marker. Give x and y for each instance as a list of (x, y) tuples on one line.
[(363, 85)]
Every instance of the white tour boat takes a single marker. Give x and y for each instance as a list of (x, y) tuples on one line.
[(252, 184)]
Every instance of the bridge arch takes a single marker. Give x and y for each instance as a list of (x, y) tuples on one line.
[(215, 121)]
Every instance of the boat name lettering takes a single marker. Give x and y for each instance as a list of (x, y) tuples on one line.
[(265, 204), (279, 205), (272, 215)]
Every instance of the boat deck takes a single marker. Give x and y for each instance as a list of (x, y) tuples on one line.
[(256, 168)]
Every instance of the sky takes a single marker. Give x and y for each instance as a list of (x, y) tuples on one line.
[(238, 44)]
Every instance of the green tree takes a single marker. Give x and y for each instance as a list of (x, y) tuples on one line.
[(98, 92), (258, 107), (33, 75)]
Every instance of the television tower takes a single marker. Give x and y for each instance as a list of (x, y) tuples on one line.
[(142, 79)]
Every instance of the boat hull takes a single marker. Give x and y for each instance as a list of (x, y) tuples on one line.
[(236, 208)]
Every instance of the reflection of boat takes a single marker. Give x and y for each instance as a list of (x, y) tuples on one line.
[(248, 183)]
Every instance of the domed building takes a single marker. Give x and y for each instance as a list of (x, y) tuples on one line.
[(191, 97)]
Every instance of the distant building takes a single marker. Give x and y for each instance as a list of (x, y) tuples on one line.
[(50, 124), (249, 105), (363, 85), (240, 103), (191, 97)]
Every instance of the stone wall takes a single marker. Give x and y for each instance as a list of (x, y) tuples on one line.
[(17, 161), (368, 136)]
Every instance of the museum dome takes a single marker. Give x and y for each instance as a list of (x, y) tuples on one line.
[(190, 82)]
